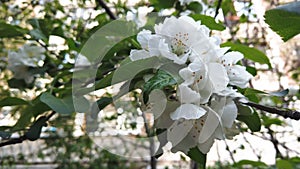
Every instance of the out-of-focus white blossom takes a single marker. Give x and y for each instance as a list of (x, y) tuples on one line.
[(20, 61), (139, 15)]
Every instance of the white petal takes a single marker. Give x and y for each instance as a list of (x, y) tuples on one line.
[(143, 38), (187, 111), (239, 76), (206, 92), (219, 132), (187, 95), (229, 114), (179, 130), (205, 147), (218, 76), (232, 57), (138, 55), (187, 76), (153, 45), (211, 123)]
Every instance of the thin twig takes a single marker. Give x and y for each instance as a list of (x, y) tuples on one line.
[(275, 143), (107, 9), (217, 8), (229, 151), (293, 114)]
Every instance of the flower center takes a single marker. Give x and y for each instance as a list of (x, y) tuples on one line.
[(178, 44)]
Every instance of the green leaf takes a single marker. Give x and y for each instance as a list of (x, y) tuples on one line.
[(195, 6), (268, 121), (12, 101), (158, 5), (284, 164), (250, 91), (62, 106), (251, 70), (244, 110), (249, 53), (5, 135), (227, 7), (35, 108), (251, 120), (35, 130), (160, 80), (280, 93), (244, 163), (196, 155), (125, 72), (99, 105), (285, 20), (208, 21), (19, 84), (9, 31), (37, 34)]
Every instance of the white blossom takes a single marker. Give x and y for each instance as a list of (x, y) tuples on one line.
[(237, 74), (139, 15), (27, 56), (203, 109)]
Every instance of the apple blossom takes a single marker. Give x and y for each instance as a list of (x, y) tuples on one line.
[(203, 108), (237, 74), (27, 56)]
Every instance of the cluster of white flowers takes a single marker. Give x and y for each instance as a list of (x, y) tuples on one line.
[(139, 15), (204, 108), (20, 61)]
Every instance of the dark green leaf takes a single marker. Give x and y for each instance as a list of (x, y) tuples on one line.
[(4, 135), (9, 31), (251, 70), (208, 21), (196, 155), (285, 20), (99, 105), (35, 108), (251, 120), (195, 6), (244, 110), (19, 84), (35, 130), (249, 53), (12, 101), (63, 106), (160, 80), (158, 5)]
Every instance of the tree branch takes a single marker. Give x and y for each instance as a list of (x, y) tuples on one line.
[(292, 114), (24, 137), (107, 9)]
